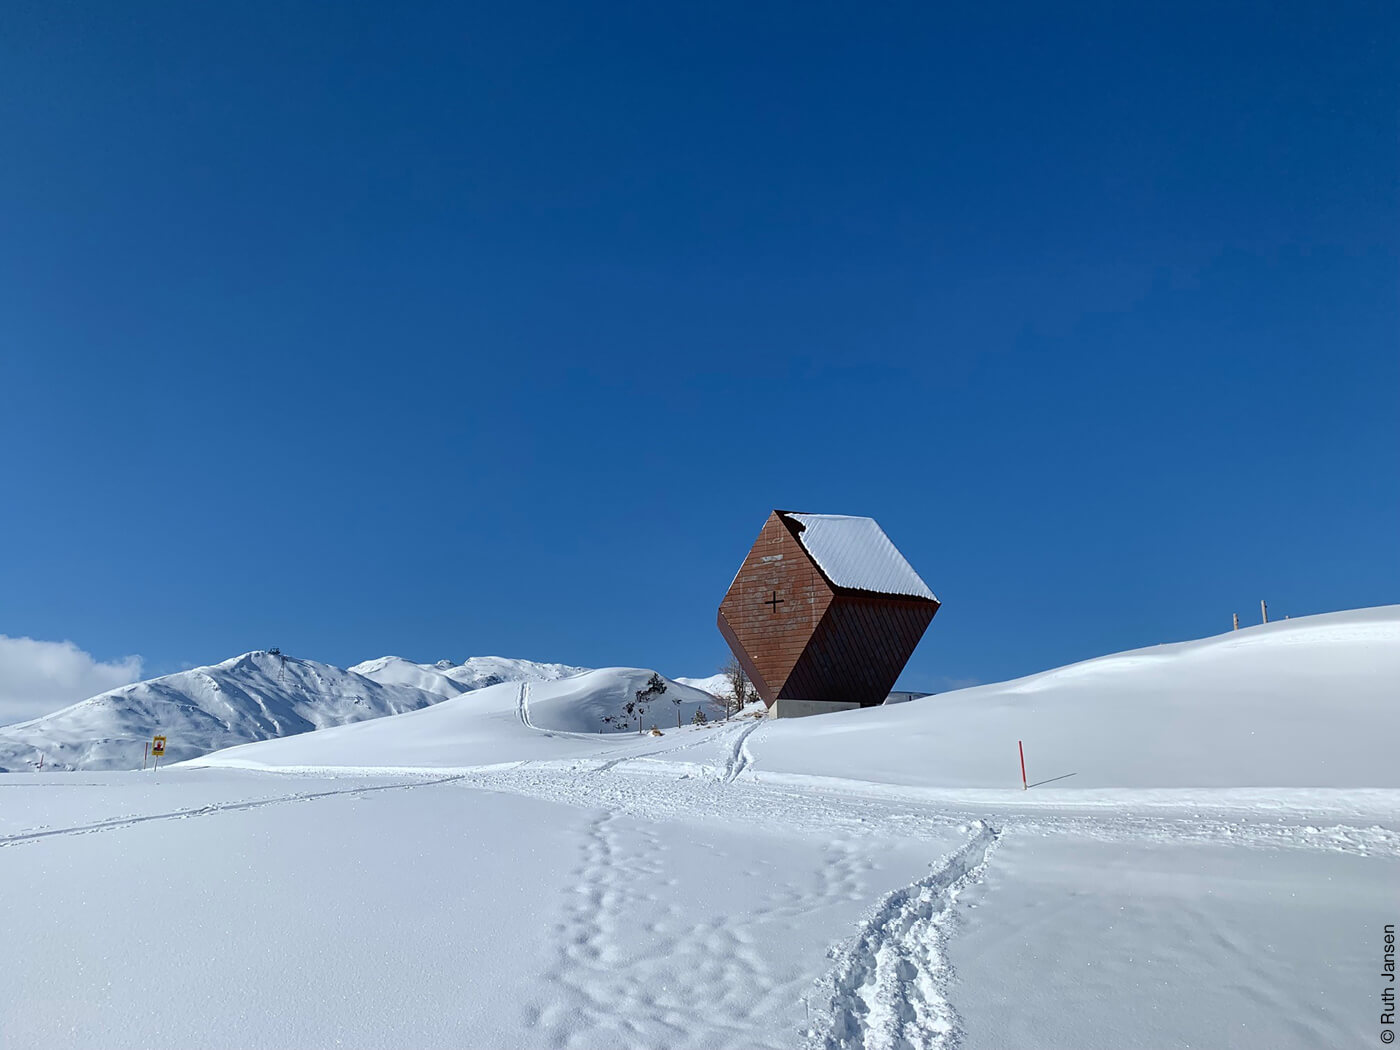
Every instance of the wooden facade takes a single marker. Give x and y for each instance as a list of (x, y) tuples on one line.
[(800, 636)]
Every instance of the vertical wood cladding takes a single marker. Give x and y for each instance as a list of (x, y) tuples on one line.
[(799, 637)]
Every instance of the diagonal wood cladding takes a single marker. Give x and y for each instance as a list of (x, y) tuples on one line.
[(859, 649), (769, 638)]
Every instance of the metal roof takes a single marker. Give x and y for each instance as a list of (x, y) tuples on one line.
[(855, 553)]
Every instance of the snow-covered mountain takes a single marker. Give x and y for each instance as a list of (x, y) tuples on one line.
[(477, 672), (255, 696), (451, 679), (395, 670)]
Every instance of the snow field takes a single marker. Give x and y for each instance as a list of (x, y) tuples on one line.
[(1152, 943), (490, 871), (624, 903), (422, 912)]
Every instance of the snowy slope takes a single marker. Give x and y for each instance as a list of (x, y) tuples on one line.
[(477, 672), (715, 685), (579, 704), (394, 670), (1307, 702), (255, 696), (509, 722)]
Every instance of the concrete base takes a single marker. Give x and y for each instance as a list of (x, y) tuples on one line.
[(904, 696), (802, 708)]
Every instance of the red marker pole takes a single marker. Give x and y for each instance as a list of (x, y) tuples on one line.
[(1022, 748)]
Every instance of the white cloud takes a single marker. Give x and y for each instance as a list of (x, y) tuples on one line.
[(39, 677)]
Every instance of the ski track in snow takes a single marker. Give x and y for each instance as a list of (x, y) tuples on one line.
[(889, 987), (114, 823), (651, 788), (739, 758)]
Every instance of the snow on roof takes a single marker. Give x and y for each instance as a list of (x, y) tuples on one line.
[(856, 553)]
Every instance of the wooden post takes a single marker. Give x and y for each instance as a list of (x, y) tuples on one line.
[(146, 755), (1022, 748), (1237, 621), (1264, 609)]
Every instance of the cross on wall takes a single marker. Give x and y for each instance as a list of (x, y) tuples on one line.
[(774, 601)]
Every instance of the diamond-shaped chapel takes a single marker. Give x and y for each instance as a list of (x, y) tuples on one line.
[(824, 612)]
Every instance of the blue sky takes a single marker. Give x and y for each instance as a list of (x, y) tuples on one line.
[(365, 328)]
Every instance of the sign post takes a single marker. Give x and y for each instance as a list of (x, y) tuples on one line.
[(157, 749), (1022, 748)]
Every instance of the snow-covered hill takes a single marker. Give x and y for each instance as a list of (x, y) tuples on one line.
[(255, 696), (1307, 702), (716, 685), (499, 723)]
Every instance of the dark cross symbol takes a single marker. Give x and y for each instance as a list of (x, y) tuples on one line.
[(773, 601)]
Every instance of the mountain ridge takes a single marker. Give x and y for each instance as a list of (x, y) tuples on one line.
[(257, 695)]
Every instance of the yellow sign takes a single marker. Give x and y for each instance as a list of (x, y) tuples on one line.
[(158, 746)]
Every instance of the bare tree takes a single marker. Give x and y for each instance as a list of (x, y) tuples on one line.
[(741, 690)]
